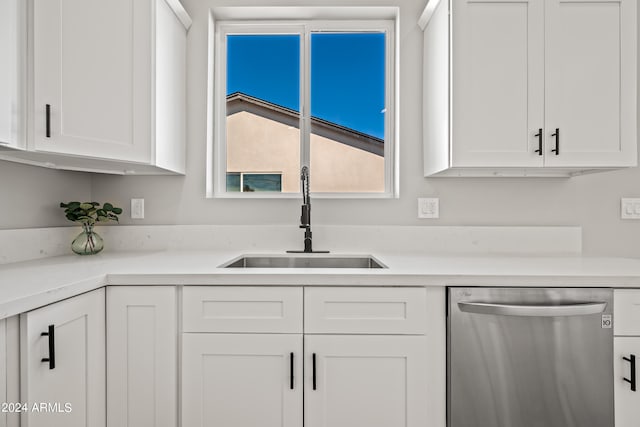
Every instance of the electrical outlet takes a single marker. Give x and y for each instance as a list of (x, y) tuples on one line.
[(137, 208), (429, 208), (630, 208)]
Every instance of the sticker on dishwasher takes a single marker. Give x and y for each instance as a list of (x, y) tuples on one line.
[(606, 321)]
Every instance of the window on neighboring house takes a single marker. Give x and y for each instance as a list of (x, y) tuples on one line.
[(245, 182), (305, 93)]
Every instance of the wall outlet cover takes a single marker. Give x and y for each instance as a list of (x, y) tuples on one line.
[(629, 208), (137, 208), (429, 208)]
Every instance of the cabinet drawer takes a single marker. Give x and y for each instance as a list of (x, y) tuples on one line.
[(626, 309), (365, 310), (242, 309)]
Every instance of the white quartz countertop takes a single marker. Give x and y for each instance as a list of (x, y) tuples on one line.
[(31, 284)]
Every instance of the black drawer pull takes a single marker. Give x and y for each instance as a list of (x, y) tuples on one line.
[(291, 367), (48, 120), (313, 358), (52, 347), (539, 136), (632, 361), (557, 135)]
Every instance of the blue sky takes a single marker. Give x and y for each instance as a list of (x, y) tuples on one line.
[(347, 75)]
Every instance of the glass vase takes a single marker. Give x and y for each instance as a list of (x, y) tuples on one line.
[(88, 242)]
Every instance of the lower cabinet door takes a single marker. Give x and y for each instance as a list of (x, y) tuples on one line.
[(372, 381), (627, 401), (242, 380), (142, 356), (9, 371), (63, 363)]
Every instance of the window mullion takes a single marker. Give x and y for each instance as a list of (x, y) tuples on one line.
[(305, 102)]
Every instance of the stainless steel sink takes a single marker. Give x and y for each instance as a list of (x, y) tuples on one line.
[(304, 261)]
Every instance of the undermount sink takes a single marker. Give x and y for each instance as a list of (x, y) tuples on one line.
[(304, 261)]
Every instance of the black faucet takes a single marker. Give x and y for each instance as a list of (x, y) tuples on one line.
[(305, 218)]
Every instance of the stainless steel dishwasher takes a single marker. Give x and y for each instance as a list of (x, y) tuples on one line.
[(530, 357)]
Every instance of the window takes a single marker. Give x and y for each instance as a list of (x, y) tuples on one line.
[(252, 182), (316, 93)]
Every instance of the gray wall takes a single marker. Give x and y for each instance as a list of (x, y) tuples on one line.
[(590, 201), (30, 195)]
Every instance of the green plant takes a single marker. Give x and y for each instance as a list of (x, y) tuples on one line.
[(88, 213)]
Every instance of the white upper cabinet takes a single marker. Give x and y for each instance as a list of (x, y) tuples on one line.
[(498, 82), (591, 83), (109, 89), (13, 32), (94, 75), (529, 87)]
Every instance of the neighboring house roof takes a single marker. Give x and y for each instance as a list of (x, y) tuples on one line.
[(238, 101)]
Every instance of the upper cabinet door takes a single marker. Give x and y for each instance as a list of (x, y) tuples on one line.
[(498, 82), (591, 82), (12, 72), (92, 67)]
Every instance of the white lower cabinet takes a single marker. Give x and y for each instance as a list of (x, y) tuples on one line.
[(242, 380), (626, 355), (3, 370), (361, 358), (245, 378), (63, 363), (373, 381), (115, 357), (142, 356), (9, 371)]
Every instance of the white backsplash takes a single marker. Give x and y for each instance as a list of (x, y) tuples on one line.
[(33, 243), (27, 244)]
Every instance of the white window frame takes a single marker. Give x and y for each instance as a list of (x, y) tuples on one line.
[(359, 20)]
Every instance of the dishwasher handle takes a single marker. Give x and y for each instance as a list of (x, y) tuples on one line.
[(574, 309)]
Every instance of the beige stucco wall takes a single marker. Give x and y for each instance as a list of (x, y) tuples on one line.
[(257, 144)]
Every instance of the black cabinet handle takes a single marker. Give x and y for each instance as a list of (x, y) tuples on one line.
[(313, 359), (48, 120), (291, 367), (52, 347), (557, 135), (632, 361), (539, 136)]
